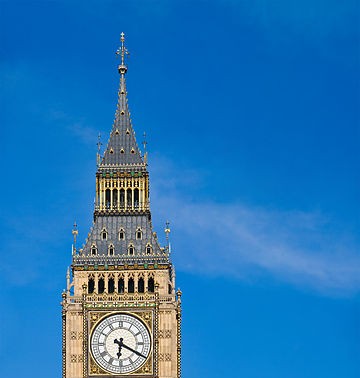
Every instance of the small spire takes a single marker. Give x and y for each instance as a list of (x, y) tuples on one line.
[(75, 233), (167, 231), (122, 51)]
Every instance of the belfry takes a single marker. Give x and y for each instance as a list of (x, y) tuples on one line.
[(121, 315)]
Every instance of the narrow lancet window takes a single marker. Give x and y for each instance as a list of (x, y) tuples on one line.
[(151, 285), (120, 285), (93, 250), (136, 198), (129, 198), (141, 285), (104, 234), (131, 286), (91, 285), (139, 234), (111, 285), (122, 198), (107, 198), (101, 285), (121, 234)]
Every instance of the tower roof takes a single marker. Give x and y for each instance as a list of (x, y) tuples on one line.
[(122, 148)]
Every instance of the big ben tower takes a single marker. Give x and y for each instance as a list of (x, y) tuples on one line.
[(121, 316)]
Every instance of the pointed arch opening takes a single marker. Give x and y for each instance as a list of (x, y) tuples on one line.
[(91, 285), (104, 234), (131, 285), (107, 198), (141, 285), (138, 233), (122, 198), (111, 285), (93, 250), (115, 197), (131, 250), (151, 285), (136, 198), (111, 250), (129, 198), (121, 285), (101, 285), (148, 249), (121, 234)]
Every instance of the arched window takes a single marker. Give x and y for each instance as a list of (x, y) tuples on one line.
[(136, 198), (131, 249), (91, 285), (111, 250), (104, 234), (169, 289), (115, 197), (122, 198), (141, 285), (121, 234), (151, 285), (121, 285), (93, 250), (131, 286), (107, 198), (111, 285), (148, 249), (129, 198), (138, 233), (101, 285)]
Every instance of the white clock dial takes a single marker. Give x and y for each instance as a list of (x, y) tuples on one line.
[(120, 343)]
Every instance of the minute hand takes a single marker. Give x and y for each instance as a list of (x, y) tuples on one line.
[(133, 350)]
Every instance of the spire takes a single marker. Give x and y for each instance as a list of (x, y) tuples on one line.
[(122, 148)]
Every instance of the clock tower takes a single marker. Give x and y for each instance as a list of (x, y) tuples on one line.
[(121, 316)]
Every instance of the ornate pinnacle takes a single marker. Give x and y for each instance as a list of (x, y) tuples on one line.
[(75, 234), (167, 230), (122, 51)]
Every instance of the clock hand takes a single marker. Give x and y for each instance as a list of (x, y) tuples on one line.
[(120, 343), (132, 350)]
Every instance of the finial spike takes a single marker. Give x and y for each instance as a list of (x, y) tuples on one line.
[(167, 231), (122, 51), (75, 233)]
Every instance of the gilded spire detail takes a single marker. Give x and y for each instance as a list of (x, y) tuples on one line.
[(122, 51)]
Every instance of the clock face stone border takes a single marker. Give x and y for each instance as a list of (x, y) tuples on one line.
[(142, 368)]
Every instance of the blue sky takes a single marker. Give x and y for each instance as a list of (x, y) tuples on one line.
[(251, 110)]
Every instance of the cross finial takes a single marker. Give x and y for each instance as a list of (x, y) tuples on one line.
[(122, 51), (167, 230), (75, 233)]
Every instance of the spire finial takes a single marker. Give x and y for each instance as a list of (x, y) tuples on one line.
[(122, 51), (167, 230), (75, 233)]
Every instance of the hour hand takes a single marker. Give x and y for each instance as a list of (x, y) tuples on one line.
[(133, 350)]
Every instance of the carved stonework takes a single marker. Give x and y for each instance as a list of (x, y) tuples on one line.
[(165, 333)]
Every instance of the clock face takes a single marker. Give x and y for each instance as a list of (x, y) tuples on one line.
[(120, 343)]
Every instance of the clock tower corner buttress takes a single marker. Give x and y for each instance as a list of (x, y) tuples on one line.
[(121, 315)]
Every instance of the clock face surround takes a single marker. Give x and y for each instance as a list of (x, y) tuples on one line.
[(120, 343)]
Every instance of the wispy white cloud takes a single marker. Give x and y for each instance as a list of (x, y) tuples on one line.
[(301, 248)]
